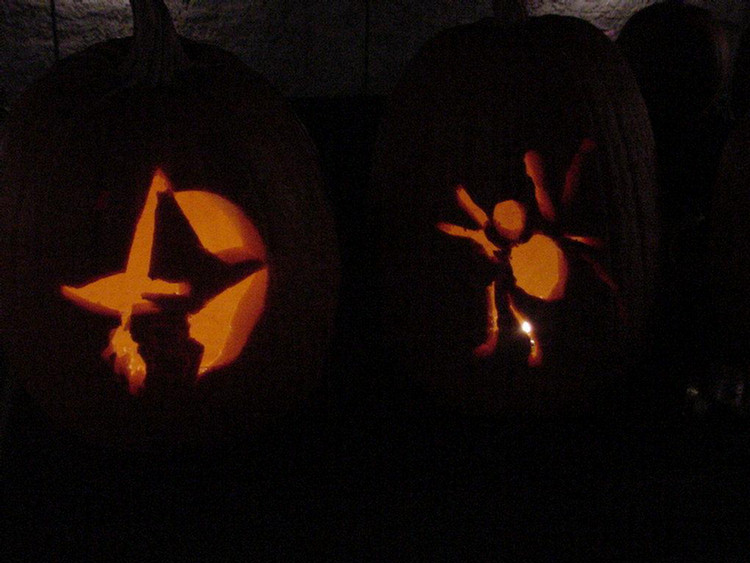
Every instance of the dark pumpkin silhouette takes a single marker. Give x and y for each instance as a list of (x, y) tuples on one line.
[(84, 146)]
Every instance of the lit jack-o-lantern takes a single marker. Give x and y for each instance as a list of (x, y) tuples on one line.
[(169, 263), (514, 192)]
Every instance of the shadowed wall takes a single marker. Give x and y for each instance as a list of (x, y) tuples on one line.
[(341, 47)]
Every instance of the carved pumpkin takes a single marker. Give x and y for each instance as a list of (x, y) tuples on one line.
[(169, 263), (515, 195)]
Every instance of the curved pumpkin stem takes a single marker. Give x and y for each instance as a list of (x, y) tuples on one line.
[(156, 54)]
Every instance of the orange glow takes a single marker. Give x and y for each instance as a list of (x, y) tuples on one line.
[(477, 236), (573, 176), (222, 324), (593, 242), (221, 227), (535, 352), (117, 294), (124, 352), (509, 218), (472, 209), (535, 171), (487, 348), (540, 267)]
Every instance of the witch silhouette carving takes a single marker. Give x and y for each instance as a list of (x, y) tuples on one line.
[(191, 292)]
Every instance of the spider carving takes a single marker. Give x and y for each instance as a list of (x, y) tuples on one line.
[(531, 261)]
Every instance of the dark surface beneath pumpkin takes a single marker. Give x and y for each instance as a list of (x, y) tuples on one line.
[(326, 486), (371, 469)]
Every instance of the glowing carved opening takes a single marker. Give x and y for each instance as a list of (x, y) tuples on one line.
[(535, 350), (539, 266), (487, 348), (509, 218), (222, 320)]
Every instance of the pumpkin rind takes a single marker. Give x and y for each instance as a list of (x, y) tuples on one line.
[(82, 148), (488, 108), (729, 253)]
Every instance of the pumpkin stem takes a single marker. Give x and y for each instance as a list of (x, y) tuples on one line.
[(156, 54)]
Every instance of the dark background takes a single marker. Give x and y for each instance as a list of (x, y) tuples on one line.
[(314, 48), (368, 468)]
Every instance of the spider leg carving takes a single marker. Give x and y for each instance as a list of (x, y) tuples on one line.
[(472, 209), (490, 251), (573, 176), (478, 236), (535, 170), (535, 353), (488, 347)]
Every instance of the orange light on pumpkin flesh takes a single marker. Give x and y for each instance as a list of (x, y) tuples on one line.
[(593, 242), (479, 238), (224, 323), (476, 213), (539, 265), (492, 329), (535, 171), (509, 219), (535, 351), (573, 175)]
